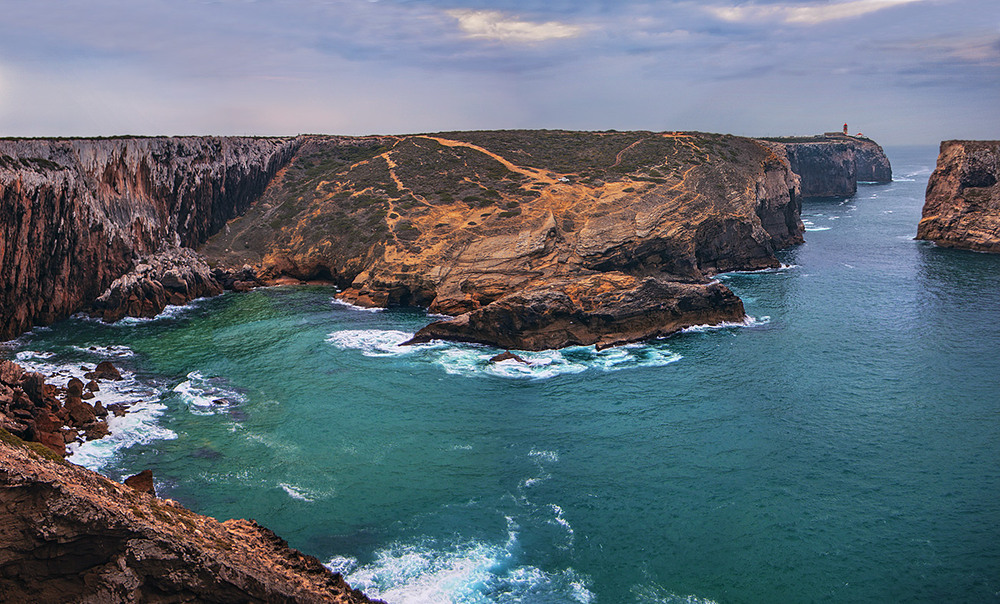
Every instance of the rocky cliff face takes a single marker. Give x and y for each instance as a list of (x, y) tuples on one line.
[(70, 535), (77, 214), (492, 223), (962, 205), (832, 166)]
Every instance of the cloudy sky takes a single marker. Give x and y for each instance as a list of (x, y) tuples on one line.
[(901, 71)]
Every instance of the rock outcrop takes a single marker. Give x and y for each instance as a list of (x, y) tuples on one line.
[(31, 409), (832, 165), (605, 309), (501, 224), (76, 214), (70, 535), (962, 204), (175, 275)]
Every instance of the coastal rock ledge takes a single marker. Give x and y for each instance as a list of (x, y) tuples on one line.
[(962, 204), (70, 535)]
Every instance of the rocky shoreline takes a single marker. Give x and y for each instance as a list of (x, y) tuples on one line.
[(71, 535), (962, 204), (37, 411), (453, 222)]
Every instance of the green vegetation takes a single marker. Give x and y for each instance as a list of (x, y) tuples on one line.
[(37, 448)]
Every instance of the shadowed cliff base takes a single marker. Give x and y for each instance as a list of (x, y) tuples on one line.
[(962, 204)]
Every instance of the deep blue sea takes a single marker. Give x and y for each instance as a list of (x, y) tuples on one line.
[(843, 445)]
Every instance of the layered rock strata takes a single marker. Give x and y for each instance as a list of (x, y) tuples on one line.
[(504, 224), (70, 535), (76, 214), (962, 204), (832, 165)]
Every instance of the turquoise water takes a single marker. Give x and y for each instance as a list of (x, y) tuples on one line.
[(842, 445)]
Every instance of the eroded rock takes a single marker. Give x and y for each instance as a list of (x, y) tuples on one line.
[(71, 535), (962, 204)]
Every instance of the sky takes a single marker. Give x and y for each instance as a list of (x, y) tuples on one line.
[(900, 71)]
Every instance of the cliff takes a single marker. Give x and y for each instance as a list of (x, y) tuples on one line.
[(832, 165), (563, 227), (70, 535), (76, 214), (962, 203)]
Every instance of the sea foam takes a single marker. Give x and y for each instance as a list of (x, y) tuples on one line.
[(473, 572), (474, 360), (138, 426), (206, 395)]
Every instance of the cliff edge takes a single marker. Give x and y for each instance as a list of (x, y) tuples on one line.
[(70, 535), (832, 165), (962, 203)]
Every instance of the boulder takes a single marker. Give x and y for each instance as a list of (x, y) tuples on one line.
[(142, 482), (74, 388), (104, 371), (508, 356), (96, 430), (80, 413)]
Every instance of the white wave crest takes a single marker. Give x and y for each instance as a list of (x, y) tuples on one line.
[(206, 396), (747, 321), (24, 356), (171, 311), (473, 360), (337, 302), (115, 351), (425, 573)]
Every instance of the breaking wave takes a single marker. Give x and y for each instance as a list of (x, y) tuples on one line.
[(473, 360)]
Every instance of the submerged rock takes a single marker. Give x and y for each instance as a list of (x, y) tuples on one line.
[(508, 356)]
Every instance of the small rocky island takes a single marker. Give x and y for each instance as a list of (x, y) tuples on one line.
[(962, 205)]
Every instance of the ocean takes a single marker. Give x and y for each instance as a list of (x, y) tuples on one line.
[(840, 445)]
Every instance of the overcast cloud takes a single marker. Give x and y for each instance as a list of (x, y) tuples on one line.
[(901, 71)]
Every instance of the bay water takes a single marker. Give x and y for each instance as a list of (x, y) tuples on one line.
[(842, 444)]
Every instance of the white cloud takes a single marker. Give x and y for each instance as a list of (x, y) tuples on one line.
[(804, 15), (495, 25)]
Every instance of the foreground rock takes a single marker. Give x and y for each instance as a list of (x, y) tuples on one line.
[(509, 225), (833, 164), (962, 204), (70, 535)]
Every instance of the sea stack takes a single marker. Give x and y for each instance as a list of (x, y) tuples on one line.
[(962, 204)]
